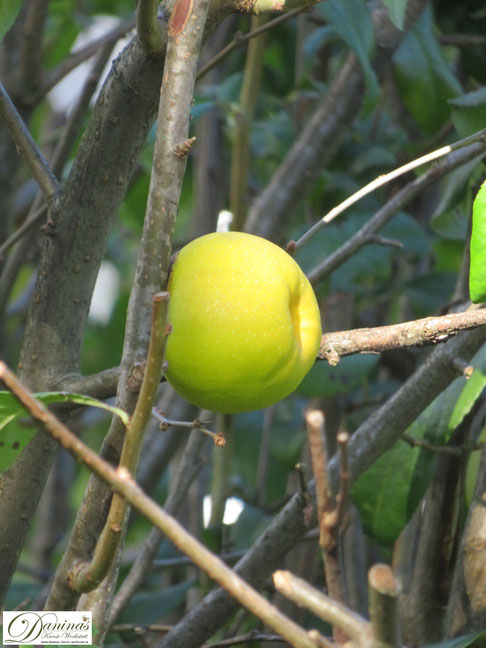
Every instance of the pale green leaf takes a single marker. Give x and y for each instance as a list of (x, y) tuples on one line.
[(396, 11), (15, 435)]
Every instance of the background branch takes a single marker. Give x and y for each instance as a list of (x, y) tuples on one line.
[(321, 137), (26, 146)]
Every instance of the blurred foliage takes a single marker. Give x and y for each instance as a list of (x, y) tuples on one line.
[(433, 94)]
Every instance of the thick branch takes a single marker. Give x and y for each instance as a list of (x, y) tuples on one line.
[(429, 330)]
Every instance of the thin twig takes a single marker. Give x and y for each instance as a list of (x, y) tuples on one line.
[(79, 56), (26, 226), (240, 39), (454, 451), (122, 482), (197, 424), (343, 494), (315, 433), (462, 40), (326, 512), (183, 561), (86, 576), (149, 31), (480, 136), (302, 593), (187, 470), (26, 146), (393, 206), (429, 330)]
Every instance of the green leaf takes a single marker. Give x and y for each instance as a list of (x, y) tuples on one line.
[(468, 111), (450, 218), (396, 11), (14, 435), (388, 493), (80, 399), (9, 10), (477, 268), (351, 20), (423, 75)]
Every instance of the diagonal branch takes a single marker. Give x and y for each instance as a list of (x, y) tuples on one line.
[(392, 207), (26, 146), (86, 576), (122, 482), (480, 136)]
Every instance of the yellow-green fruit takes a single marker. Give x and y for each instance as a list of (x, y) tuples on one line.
[(245, 323)]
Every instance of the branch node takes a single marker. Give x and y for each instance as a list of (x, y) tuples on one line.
[(462, 367), (182, 150), (135, 377)]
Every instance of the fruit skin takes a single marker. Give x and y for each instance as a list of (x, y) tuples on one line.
[(477, 268), (245, 323)]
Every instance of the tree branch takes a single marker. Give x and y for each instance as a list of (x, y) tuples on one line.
[(122, 482), (397, 202), (325, 607), (186, 471), (240, 39), (321, 136), (429, 330), (27, 148), (372, 438), (383, 594), (480, 136), (149, 32), (85, 577), (79, 56)]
